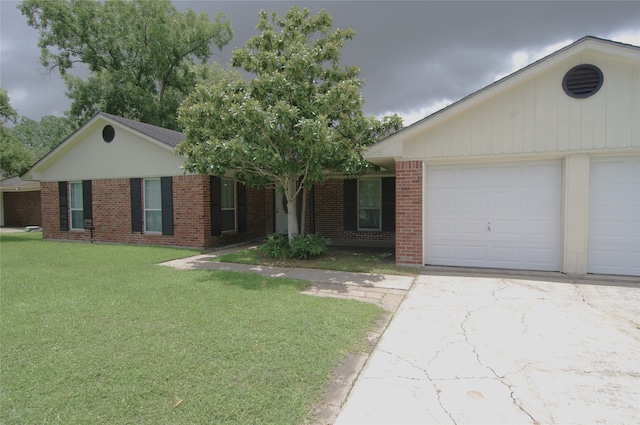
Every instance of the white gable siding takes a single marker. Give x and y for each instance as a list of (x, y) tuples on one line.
[(537, 117), (89, 157)]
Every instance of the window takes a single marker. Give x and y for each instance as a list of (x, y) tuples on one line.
[(369, 204), (75, 205), (152, 205), (228, 204)]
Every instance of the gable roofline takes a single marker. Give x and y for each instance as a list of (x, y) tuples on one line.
[(161, 136), (502, 84)]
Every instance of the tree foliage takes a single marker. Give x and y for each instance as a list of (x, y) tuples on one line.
[(140, 54), (298, 117), (44, 135), (14, 157)]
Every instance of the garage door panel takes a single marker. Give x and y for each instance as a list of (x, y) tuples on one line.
[(471, 177), (505, 215), (614, 216), (506, 228), (542, 228), (507, 200), (473, 200), (444, 227), (444, 254), (474, 254), (506, 255), (472, 227), (443, 178), (505, 176), (542, 199)]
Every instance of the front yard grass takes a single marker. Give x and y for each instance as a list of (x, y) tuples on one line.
[(100, 334), (347, 259)]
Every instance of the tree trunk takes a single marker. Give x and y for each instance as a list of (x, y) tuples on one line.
[(290, 190)]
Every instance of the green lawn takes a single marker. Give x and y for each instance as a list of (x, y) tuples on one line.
[(99, 334)]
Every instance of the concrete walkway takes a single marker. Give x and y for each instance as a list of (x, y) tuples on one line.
[(502, 350), (387, 291)]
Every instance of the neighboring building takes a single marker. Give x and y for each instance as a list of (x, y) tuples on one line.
[(19, 203), (538, 171), (118, 180)]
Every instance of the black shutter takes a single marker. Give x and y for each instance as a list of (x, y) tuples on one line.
[(166, 187), (87, 202), (242, 208), (63, 198), (389, 204), (216, 206), (351, 204), (136, 205)]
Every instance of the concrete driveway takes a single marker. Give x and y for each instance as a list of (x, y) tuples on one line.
[(505, 350)]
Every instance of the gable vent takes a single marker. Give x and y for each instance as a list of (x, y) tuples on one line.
[(108, 133), (582, 81)]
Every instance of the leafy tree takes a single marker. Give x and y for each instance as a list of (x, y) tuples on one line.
[(139, 54), (7, 113), (298, 117), (44, 135), (14, 157)]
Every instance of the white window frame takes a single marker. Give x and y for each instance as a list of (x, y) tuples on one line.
[(232, 184), (146, 209), (73, 209), (379, 207)]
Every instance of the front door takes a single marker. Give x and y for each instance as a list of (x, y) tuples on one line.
[(282, 224)]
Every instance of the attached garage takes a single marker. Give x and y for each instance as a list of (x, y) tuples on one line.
[(494, 215), (614, 216), (537, 171)]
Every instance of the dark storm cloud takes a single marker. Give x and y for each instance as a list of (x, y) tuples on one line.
[(411, 54)]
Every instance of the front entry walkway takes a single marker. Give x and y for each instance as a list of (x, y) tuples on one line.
[(387, 291)]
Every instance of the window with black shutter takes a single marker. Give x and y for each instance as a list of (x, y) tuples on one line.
[(370, 204)]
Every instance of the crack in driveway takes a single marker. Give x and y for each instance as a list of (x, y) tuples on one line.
[(438, 391), (502, 379)]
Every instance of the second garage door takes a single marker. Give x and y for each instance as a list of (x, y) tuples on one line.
[(614, 216), (494, 215)]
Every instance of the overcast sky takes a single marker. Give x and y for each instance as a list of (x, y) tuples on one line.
[(416, 56)]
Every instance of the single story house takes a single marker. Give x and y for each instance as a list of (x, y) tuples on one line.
[(19, 203), (117, 180), (537, 171)]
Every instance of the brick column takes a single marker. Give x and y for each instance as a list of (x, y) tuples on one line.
[(409, 213)]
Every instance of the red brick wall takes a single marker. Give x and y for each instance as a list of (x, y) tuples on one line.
[(191, 215), (22, 209), (329, 211), (409, 213)]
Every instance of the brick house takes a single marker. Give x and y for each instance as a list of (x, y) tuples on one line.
[(537, 171), (117, 180)]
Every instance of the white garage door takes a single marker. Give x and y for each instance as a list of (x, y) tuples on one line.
[(499, 215), (614, 216)]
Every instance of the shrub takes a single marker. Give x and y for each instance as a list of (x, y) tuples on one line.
[(276, 246), (302, 247), (308, 246)]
